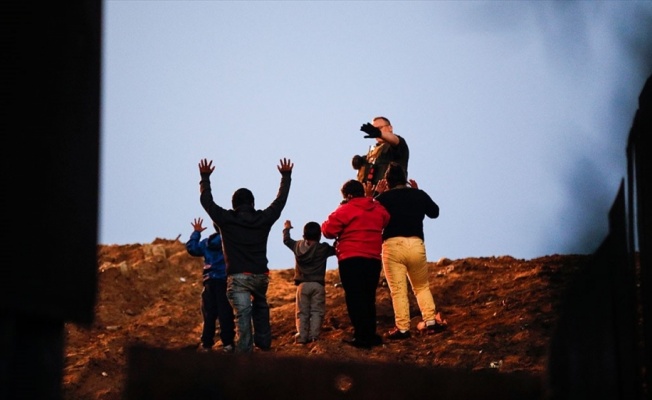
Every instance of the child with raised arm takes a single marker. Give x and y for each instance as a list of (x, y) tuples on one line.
[(309, 276), (215, 305)]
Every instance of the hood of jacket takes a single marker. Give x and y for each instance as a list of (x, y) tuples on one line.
[(364, 203), (306, 252), (214, 241)]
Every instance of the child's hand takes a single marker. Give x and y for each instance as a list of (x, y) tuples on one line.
[(196, 224), (287, 224)]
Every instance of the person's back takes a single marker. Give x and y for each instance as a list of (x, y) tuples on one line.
[(408, 207), (404, 252), (214, 302), (357, 225), (210, 249), (309, 276), (245, 231), (310, 254)]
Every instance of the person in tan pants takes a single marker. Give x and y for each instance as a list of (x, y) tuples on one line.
[(404, 251)]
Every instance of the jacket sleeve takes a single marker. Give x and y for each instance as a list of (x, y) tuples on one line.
[(332, 227), (331, 250), (274, 210), (432, 209), (287, 240), (192, 245), (214, 211)]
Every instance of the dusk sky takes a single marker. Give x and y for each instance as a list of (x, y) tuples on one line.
[(516, 113)]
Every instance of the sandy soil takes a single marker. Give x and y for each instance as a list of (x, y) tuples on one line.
[(501, 313)]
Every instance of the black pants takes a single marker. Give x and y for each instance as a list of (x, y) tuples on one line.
[(215, 306), (359, 278)]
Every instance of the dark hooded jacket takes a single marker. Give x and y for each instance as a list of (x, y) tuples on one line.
[(310, 258), (245, 230)]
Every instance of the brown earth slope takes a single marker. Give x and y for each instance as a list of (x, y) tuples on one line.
[(501, 313)]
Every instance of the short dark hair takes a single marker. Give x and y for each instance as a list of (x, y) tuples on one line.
[(352, 187), (312, 231), (383, 118), (241, 197), (395, 175)]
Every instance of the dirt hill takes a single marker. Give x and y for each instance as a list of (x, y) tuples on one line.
[(501, 313)]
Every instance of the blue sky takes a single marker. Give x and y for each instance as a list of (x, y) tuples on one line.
[(516, 113)]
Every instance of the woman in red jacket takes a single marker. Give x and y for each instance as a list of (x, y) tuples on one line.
[(357, 227)]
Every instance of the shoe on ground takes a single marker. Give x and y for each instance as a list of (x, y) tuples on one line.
[(228, 348), (376, 340), (367, 344), (357, 343), (203, 349), (299, 340), (432, 327), (397, 334)]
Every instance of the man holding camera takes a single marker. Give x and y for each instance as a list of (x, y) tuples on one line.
[(389, 148)]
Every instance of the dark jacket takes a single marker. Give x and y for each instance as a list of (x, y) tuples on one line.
[(211, 249), (245, 230), (407, 207), (386, 153), (310, 260)]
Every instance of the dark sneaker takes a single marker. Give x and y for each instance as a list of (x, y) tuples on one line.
[(396, 334), (373, 341), (357, 343), (228, 348), (203, 349), (432, 327), (376, 340), (299, 340), (436, 328)]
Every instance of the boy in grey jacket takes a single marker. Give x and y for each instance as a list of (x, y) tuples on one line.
[(309, 276)]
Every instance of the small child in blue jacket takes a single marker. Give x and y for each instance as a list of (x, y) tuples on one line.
[(214, 303)]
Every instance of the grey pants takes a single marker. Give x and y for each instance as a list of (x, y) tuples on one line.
[(310, 310)]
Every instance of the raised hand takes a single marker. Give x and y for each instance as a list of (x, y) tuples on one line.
[(371, 131), (196, 224), (381, 186), (413, 184), (285, 165), (206, 167), (287, 224), (368, 189)]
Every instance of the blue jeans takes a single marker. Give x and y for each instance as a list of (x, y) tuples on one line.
[(248, 296)]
